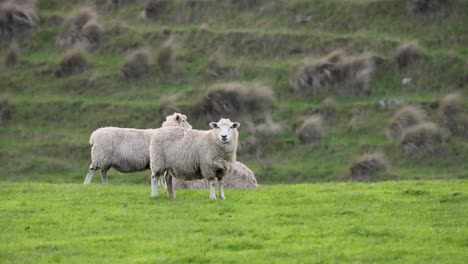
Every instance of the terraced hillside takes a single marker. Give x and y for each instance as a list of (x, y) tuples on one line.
[(48, 115)]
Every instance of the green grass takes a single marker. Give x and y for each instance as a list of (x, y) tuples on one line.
[(388, 222)]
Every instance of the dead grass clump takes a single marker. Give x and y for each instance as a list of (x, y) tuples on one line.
[(449, 112), (367, 167), (92, 33), (6, 111), (405, 118), (337, 73), (421, 7), (11, 57), (235, 99), (17, 19), (166, 57), (327, 108), (153, 9), (73, 61), (167, 106), (81, 28), (422, 139), (137, 64), (408, 54), (311, 130)]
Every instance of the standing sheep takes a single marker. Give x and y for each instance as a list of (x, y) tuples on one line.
[(124, 149), (193, 154)]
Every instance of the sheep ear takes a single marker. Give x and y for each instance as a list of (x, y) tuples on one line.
[(235, 125), (213, 125), (184, 116)]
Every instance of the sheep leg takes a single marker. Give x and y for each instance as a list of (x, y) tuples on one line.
[(104, 178), (170, 187), (90, 175), (221, 189), (212, 189), (154, 185)]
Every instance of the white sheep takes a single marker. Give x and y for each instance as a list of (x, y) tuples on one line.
[(124, 149), (193, 154), (241, 177)]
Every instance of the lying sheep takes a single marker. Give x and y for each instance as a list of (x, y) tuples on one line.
[(124, 149), (241, 177), (193, 154)]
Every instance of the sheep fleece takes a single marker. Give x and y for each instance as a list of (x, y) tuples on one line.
[(188, 153)]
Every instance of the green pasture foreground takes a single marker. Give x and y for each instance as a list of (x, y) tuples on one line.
[(388, 222)]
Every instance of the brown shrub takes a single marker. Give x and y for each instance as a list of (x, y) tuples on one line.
[(327, 108), (17, 19), (6, 111), (449, 112), (91, 34), (11, 57), (422, 139), (236, 100), (421, 7), (311, 130), (405, 118), (166, 57), (336, 73), (153, 9), (408, 54), (367, 167), (73, 61), (137, 64), (72, 31)]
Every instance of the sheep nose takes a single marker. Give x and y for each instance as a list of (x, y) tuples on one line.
[(223, 137)]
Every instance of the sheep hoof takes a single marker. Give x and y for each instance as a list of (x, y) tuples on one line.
[(212, 197), (222, 197)]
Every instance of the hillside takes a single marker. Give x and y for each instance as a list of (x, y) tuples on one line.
[(251, 43), (404, 222)]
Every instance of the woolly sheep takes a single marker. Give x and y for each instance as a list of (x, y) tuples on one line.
[(124, 149), (241, 177), (194, 154)]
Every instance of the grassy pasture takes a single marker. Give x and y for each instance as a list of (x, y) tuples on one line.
[(387, 222)]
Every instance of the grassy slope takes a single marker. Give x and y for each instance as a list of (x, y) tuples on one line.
[(404, 222), (47, 140)]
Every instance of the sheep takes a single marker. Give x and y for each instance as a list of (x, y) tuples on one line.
[(193, 154), (124, 149), (241, 177)]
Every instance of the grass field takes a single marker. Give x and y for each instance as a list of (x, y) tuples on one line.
[(388, 222)]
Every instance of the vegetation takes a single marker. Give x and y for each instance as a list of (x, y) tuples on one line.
[(407, 222), (253, 43)]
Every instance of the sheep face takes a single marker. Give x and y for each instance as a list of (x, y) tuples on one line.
[(179, 119), (225, 130)]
